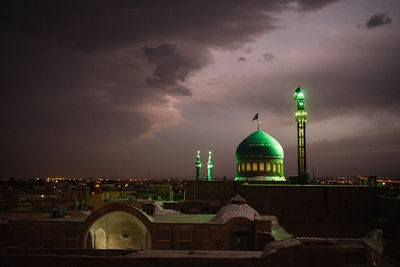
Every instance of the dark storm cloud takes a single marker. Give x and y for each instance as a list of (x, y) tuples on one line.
[(241, 60), (109, 24), (248, 50), (377, 20), (268, 57), (94, 24), (55, 96), (173, 67), (308, 5), (79, 74)]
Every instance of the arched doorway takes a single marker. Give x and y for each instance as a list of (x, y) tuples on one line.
[(240, 238), (118, 230), (89, 240)]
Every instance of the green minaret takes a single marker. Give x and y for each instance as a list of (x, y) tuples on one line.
[(198, 166), (209, 167), (301, 117)]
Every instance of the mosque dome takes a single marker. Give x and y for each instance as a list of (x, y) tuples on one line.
[(259, 143), (259, 157)]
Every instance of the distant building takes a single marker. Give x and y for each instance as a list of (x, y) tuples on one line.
[(236, 226)]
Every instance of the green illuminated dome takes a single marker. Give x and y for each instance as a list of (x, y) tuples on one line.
[(261, 144), (259, 157)]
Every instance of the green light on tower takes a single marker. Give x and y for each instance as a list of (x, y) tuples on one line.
[(209, 167), (198, 166), (301, 118)]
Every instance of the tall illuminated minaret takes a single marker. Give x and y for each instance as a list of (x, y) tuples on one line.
[(301, 117), (209, 167), (198, 166)]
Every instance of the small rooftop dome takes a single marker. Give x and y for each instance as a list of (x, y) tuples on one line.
[(238, 208)]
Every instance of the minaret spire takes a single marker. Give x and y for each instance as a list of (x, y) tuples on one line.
[(209, 167), (198, 166), (301, 117)]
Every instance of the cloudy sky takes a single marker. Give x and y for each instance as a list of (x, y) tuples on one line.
[(134, 88)]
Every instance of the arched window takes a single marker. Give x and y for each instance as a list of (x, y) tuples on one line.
[(274, 167), (243, 167), (262, 166), (254, 166), (268, 167), (280, 167), (238, 167), (100, 239), (248, 167)]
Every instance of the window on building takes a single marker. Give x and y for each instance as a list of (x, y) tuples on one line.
[(262, 166), (268, 167), (254, 166), (239, 167), (248, 167), (243, 168), (280, 167), (274, 167)]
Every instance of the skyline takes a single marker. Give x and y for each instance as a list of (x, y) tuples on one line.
[(132, 89)]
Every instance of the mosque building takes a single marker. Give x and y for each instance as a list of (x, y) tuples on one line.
[(259, 157)]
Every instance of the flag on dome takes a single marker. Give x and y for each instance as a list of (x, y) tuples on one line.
[(255, 117)]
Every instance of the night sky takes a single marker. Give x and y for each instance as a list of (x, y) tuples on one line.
[(135, 88)]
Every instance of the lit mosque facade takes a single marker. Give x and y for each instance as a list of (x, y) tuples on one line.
[(259, 157)]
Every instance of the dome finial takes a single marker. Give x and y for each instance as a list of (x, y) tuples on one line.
[(258, 121)]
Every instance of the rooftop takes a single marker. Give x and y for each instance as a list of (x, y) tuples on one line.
[(183, 218), (302, 185)]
